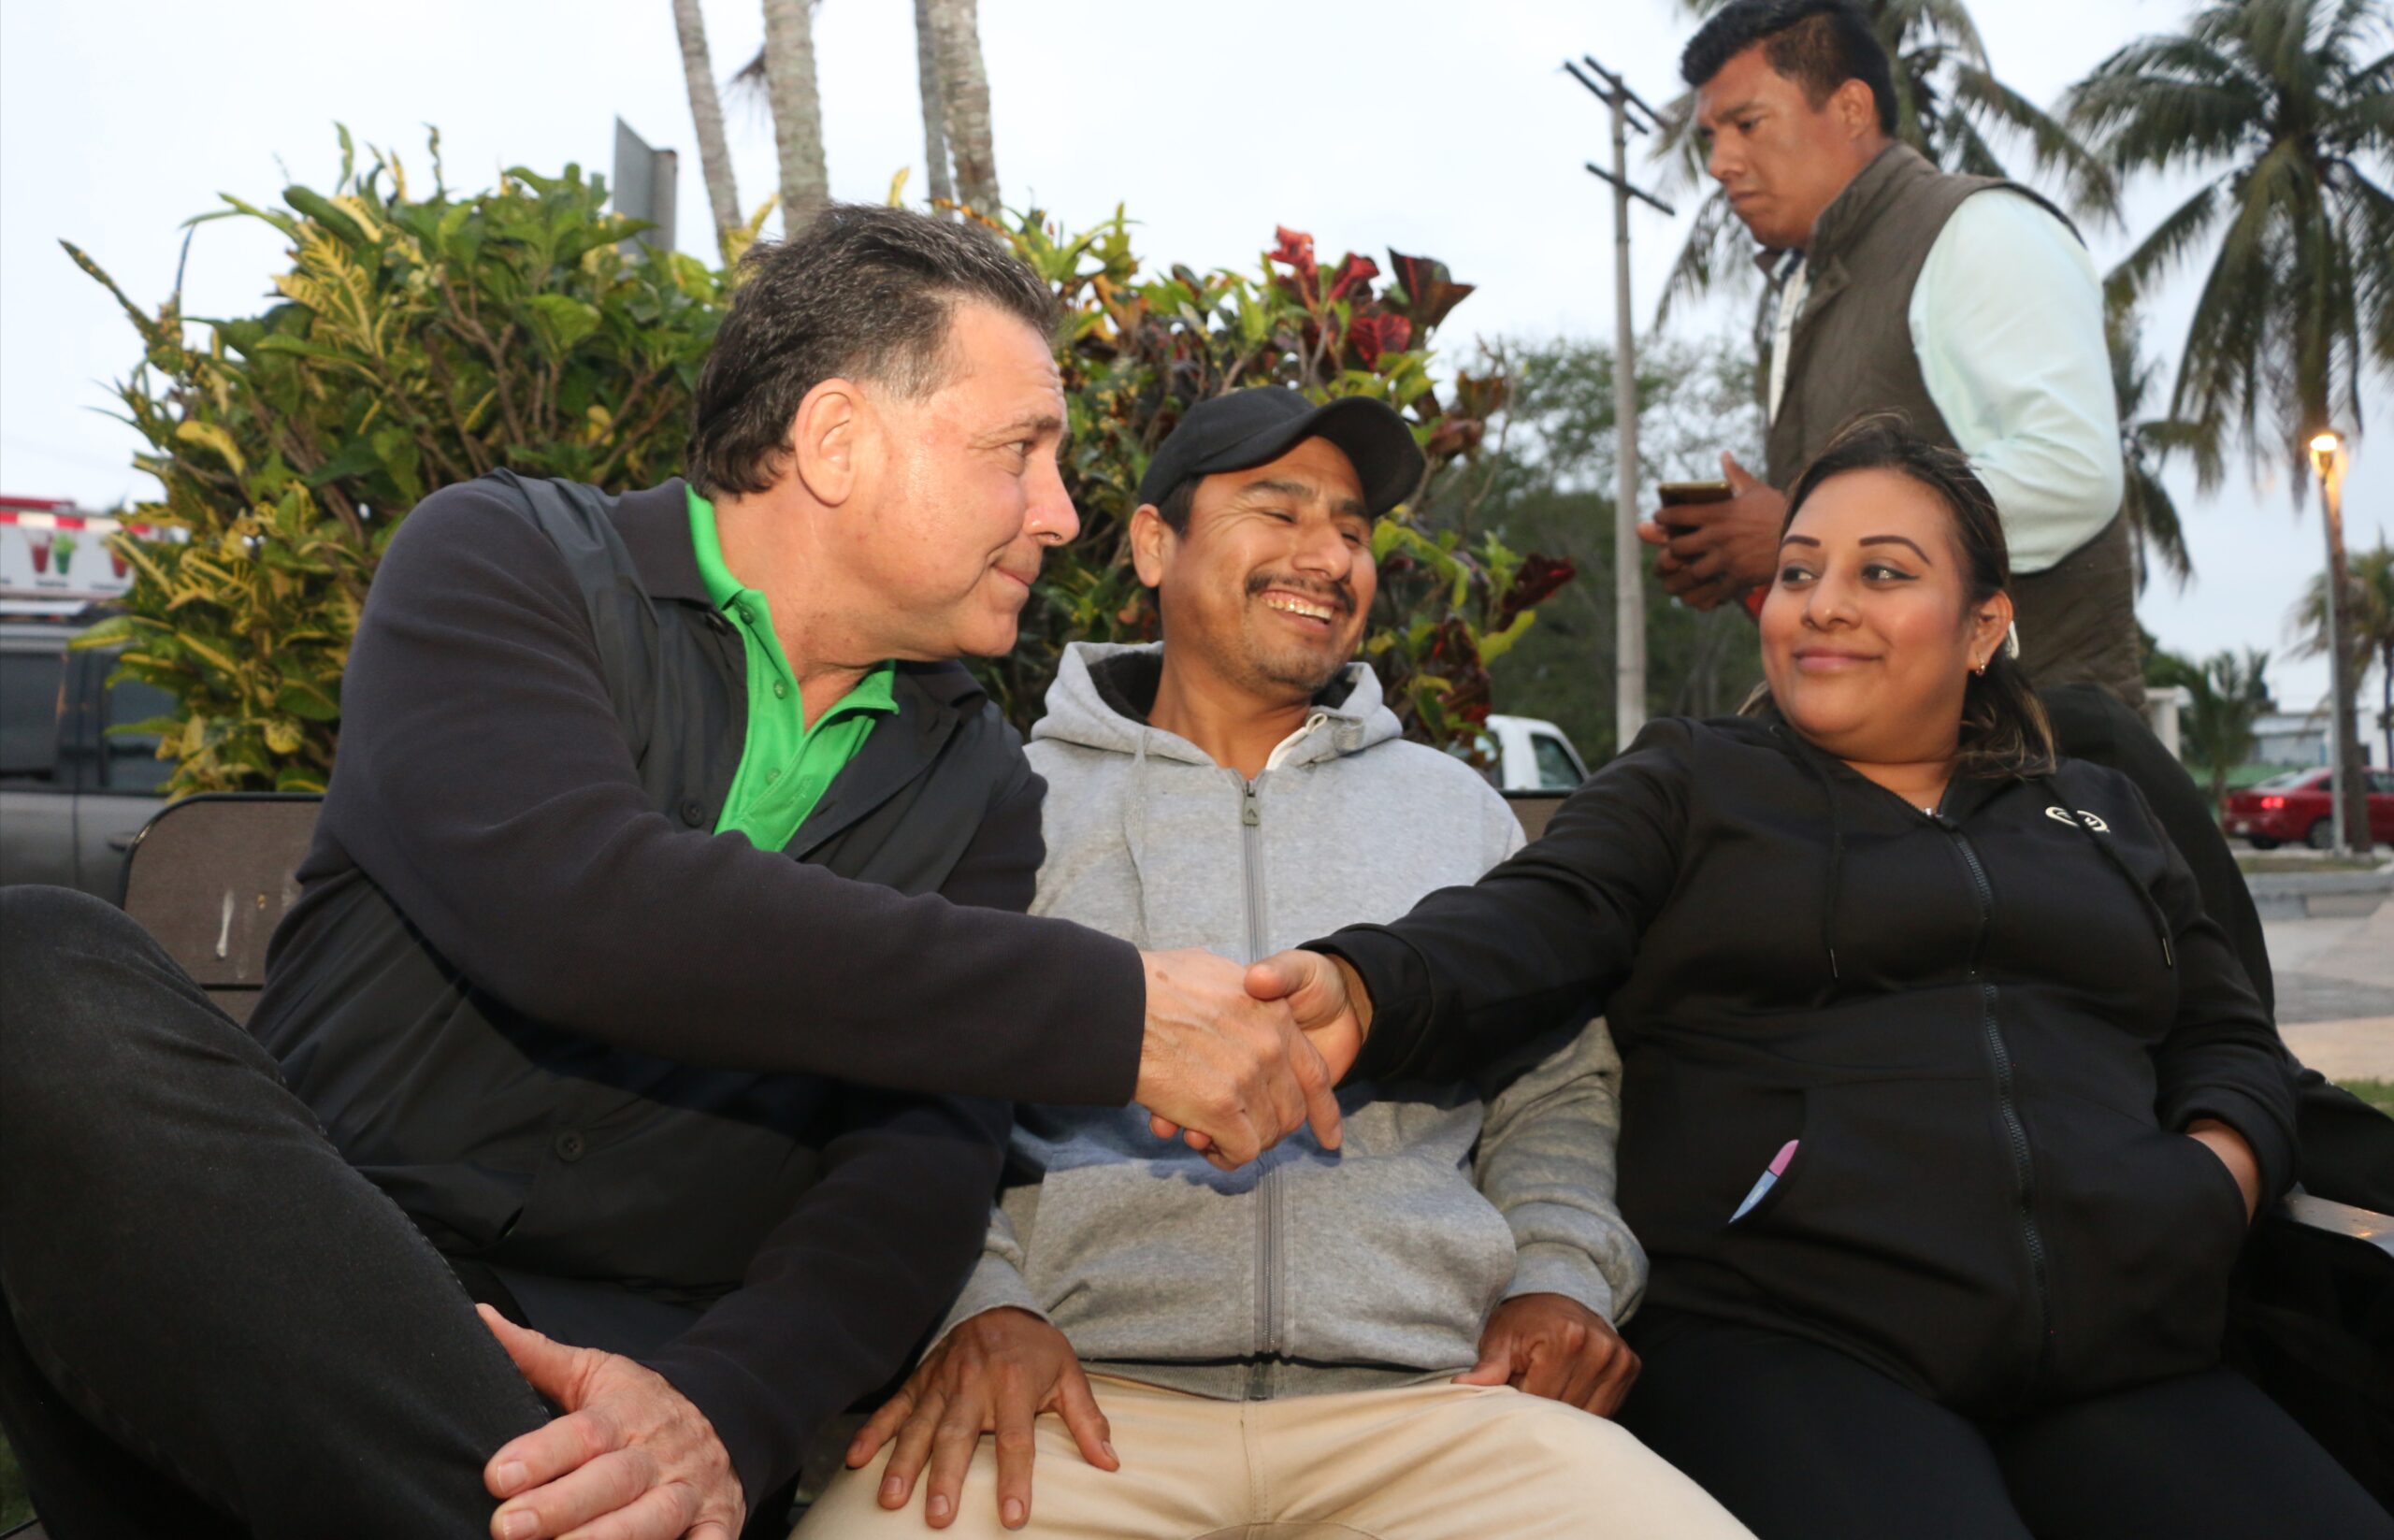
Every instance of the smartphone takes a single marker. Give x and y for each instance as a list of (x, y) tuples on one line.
[(1680, 494)]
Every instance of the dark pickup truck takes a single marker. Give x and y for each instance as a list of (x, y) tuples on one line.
[(73, 793)]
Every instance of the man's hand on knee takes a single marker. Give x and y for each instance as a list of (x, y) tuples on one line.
[(1556, 1348), (995, 1374), (631, 1458)]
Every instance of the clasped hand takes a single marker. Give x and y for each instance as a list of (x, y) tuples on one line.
[(1236, 1059)]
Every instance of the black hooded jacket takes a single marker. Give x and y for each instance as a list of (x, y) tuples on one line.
[(1985, 1027), (582, 1038)]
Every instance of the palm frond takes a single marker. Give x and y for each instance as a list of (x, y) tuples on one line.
[(1965, 151), (2154, 121), (1717, 252), (2053, 147), (2371, 211), (2170, 241), (2153, 518)]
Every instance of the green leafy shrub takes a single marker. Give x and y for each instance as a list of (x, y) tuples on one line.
[(421, 341)]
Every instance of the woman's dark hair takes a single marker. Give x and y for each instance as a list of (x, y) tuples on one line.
[(1818, 44), (2005, 730), (865, 291)]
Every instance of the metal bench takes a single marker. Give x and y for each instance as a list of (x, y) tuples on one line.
[(211, 876)]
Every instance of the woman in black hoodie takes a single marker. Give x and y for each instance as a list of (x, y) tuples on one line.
[(1946, 1108)]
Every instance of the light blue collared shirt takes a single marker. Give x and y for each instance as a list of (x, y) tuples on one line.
[(2007, 323)]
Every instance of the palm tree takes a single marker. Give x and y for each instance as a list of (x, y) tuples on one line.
[(2275, 99), (783, 70), (706, 112), (2369, 624), (1948, 102), (935, 161), (2151, 512), (963, 89), (2229, 693)]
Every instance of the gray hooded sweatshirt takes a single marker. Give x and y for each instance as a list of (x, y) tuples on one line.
[(1309, 1271)]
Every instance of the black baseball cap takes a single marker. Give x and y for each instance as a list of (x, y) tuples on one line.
[(1247, 427)]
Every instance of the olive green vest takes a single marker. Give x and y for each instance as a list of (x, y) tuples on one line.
[(1851, 355)]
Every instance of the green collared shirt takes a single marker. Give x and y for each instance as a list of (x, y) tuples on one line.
[(785, 765)]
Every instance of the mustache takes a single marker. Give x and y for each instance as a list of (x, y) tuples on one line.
[(1338, 595)]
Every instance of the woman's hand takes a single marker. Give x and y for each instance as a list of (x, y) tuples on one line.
[(2233, 1152), (994, 1373)]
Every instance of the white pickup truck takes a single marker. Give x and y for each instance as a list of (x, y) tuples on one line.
[(1525, 753)]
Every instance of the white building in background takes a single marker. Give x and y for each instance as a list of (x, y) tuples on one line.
[(2297, 740), (2162, 708)]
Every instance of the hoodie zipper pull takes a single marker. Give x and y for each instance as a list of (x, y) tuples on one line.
[(1249, 814)]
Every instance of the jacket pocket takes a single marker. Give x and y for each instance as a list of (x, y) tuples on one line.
[(2145, 1236), (1889, 1233)]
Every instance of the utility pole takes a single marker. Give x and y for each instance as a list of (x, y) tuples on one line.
[(1628, 563)]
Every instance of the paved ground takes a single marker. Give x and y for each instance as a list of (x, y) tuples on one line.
[(2335, 984)]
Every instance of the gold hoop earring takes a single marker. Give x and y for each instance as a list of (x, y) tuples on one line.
[(1980, 670)]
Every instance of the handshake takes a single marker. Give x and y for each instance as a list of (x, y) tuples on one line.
[(1236, 1059)]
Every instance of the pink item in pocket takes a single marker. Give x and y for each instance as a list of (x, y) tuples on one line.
[(1768, 1179)]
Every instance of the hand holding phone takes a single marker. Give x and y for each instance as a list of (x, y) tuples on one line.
[(1680, 494)]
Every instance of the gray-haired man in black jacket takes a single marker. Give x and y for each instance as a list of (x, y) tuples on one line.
[(663, 827)]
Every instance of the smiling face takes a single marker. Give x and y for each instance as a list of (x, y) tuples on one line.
[(1867, 636), (962, 493), (1267, 588), (1780, 158)]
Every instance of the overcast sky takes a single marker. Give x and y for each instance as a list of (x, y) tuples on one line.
[(1417, 124)]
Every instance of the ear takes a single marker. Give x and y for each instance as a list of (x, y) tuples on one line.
[(1151, 545), (1856, 108), (1988, 626), (831, 434)]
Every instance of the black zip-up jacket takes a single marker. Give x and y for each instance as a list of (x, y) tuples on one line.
[(1984, 1026), (575, 1035)]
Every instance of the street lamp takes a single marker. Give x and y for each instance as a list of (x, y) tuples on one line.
[(2327, 458)]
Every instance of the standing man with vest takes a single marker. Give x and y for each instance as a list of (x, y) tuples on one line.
[(1968, 305)]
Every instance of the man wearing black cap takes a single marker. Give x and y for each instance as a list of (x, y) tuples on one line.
[(1341, 1341)]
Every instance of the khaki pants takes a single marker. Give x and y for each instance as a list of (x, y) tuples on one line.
[(1425, 1462)]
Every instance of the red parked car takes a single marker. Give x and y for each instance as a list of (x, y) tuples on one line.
[(2293, 809)]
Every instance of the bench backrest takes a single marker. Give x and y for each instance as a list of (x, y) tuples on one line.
[(210, 877), (1533, 809)]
